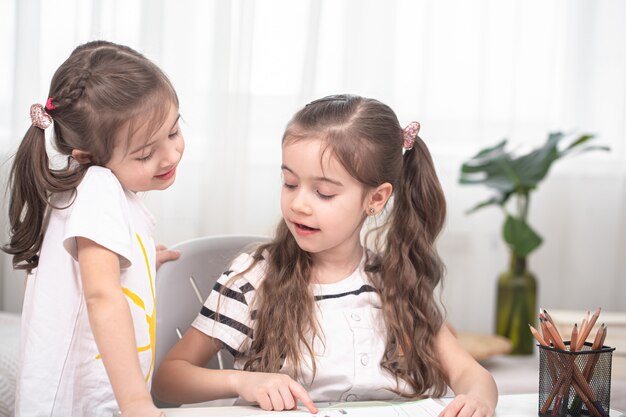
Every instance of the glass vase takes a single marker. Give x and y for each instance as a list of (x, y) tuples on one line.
[(516, 306)]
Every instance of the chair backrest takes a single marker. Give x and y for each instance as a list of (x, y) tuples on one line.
[(183, 285)]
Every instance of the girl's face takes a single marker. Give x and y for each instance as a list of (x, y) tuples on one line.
[(149, 165), (322, 204)]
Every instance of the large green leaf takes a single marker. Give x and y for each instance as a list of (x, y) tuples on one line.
[(534, 166), (520, 237), (506, 173), (490, 167)]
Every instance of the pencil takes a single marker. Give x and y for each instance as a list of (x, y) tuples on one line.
[(598, 342), (549, 318), (590, 365), (554, 332), (604, 331), (583, 325), (561, 383), (574, 338), (537, 336), (555, 336), (588, 328), (544, 330)]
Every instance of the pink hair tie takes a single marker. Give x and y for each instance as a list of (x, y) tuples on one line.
[(409, 133), (39, 117), (49, 105)]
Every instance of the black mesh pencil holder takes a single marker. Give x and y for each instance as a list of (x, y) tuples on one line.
[(575, 383)]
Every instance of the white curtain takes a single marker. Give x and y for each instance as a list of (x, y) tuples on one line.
[(472, 72)]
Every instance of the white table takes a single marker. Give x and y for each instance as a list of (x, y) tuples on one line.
[(518, 405)]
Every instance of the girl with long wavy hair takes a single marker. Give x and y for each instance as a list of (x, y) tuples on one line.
[(85, 237), (314, 315)]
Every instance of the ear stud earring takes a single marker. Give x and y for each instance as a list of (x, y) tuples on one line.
[(372, 211)]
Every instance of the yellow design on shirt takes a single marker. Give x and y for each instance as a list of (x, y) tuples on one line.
[(150, 318)]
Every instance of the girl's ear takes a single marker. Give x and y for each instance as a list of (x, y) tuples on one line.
[(377, 198), (81, 157)]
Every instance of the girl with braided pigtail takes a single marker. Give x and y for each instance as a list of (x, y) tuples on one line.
[(314, 316), (85, 237)]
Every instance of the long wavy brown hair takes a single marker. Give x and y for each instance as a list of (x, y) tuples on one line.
[(101, 90), (365, 136)]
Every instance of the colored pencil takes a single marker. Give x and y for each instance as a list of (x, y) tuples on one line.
[(574, 338), (588, 328)]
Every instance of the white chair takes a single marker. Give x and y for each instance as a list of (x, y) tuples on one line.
[(183, 285)]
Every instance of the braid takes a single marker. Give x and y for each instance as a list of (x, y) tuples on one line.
[(72, 92)]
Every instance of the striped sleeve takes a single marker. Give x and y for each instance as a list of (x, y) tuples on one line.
[(226, 313)]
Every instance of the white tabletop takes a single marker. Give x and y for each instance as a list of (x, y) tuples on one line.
[(518, 405)]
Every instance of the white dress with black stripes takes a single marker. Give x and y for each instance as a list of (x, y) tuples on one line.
[(352, 340)]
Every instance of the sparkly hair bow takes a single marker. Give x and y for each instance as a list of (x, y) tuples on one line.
[(409, 133), (39, 117)]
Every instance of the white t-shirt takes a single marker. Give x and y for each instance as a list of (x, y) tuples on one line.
[(61, 373), (352, 328)]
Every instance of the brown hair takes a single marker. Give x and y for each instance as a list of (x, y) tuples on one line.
[(99, 90), (365, 136)]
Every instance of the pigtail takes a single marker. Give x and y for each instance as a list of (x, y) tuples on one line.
[(410, 270), (420, 194), (32, 182), (28, 200)]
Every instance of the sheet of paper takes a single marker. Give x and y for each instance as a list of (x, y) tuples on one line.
[(421, 408)]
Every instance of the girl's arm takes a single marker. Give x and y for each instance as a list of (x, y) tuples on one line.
[(182, 378), (474, 387), (112, 327)]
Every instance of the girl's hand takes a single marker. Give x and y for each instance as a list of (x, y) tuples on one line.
[(272, 391), (467, 406), (163, 254)]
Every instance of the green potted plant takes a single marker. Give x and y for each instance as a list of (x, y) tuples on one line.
[(513, 178)]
